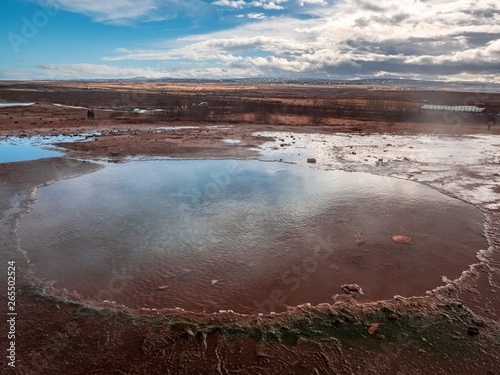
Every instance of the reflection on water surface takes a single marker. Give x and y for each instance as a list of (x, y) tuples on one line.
[(244, 235)]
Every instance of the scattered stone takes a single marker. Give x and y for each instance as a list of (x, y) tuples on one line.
[(343, 298), (359, 239), (334, 267), (392, 317), (168, 276), (311, 160), (346, 318), (479, 322), (380, 337), (472, 331), (185, 272), (352, 288), (163, 287), (373, 328), (215, 281), (401, 239), (445, 280)]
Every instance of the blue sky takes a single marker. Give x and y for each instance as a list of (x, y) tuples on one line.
[(338, 39)]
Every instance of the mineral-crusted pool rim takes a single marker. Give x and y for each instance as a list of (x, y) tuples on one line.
[(214, 279)]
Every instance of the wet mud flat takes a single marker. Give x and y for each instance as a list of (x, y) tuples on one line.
[(413, 336), (453, 329)]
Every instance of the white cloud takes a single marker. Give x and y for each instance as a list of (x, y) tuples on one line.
[(268, 4), (237, 4), (213, 48), (257, 16), (487, 78), (126, 11), (354, 37), (484, 55), (240, 4), (315, 2), (94, 71)]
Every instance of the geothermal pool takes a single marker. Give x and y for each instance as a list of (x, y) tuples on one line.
[(249, 236)]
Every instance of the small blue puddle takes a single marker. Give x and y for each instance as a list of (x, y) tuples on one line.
[(14, 153)]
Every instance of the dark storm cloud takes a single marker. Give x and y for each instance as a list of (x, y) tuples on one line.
[(410, 46), (369, 5), (482, 13), (391, 20)]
